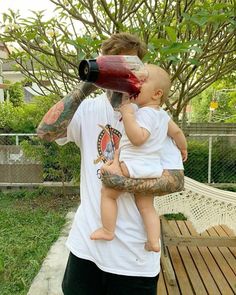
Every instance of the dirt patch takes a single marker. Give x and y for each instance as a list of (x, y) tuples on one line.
[(52, 202)]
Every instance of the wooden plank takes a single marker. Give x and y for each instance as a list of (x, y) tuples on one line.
[(180, 272), (199, 241), (229, 257), (200, 270), (230, 233), (165, 258), (201, 266), (224, 266), (190, 267), (166, 227), (228, 230), (161, 287), (169, 289), (168, 269), (211, 241), (213, 267)]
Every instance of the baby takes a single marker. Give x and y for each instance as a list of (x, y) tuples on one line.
[(140, 151)]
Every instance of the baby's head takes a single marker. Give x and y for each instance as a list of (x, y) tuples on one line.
[(155, 89)]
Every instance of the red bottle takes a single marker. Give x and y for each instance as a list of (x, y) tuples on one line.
[(121, 73)]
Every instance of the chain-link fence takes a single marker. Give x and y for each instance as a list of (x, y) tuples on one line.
[(24, 158), (14, 138), (212, 159), (15, 167)]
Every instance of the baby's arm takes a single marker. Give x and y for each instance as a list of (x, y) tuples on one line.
[(178, 136), (136, 134)]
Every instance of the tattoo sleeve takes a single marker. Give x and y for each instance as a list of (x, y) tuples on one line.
[(168, 183), (54, 123)]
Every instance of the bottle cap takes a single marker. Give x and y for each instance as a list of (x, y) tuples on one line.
[(88, 70)]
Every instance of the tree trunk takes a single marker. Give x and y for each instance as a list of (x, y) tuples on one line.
[(175, 117)]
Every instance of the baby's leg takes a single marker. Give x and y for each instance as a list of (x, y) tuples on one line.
[(150, 219), (108, 215)]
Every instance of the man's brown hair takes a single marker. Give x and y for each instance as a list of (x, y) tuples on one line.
[(120, 42)]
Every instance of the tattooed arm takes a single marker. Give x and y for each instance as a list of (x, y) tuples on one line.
[(171, 181), (54, 123)]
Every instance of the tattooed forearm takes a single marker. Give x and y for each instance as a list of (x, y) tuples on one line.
[(170, 182), (54, 123)]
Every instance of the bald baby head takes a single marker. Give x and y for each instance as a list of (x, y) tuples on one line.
[(160, 78)]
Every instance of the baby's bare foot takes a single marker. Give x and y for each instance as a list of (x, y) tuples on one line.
[(102, 234), (150, 246)]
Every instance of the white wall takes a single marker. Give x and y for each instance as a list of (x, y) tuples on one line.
[(13, 77)]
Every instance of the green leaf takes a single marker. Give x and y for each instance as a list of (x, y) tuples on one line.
[(174, 48), (171, 33), (200, 20), (173, 58), (194, 61), (4, 17), (196, 49), (30, 35), (220, 6), (158, 42)]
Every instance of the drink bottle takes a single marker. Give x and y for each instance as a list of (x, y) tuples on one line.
[(120, 73)]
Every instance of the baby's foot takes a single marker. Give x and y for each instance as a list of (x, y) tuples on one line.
[(151, 246), (102, 234)]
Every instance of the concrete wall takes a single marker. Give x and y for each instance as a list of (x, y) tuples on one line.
[(16, 168), (21, 173)]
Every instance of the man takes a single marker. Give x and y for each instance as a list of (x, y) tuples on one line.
[(121, 266)]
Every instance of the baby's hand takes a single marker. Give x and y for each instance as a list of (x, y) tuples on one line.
[(105, 166), (126, 108), (113, 166), (125, 99), (184, 154)]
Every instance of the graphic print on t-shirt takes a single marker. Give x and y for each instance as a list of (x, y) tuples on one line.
[(108, 142)]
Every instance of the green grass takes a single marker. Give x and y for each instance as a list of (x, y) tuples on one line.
[(29, 224), (177, 216)]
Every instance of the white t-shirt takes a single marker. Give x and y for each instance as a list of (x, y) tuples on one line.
[(144, 161), (170, 155), (89, 129)]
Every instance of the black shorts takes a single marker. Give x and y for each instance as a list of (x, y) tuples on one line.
[(83, 277)]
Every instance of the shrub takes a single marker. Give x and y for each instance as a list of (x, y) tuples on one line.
[(7, 115), (60, 163), (16, 94), (196, 166), (222, 165)]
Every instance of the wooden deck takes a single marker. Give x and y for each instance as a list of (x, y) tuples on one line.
[(200, 270)]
